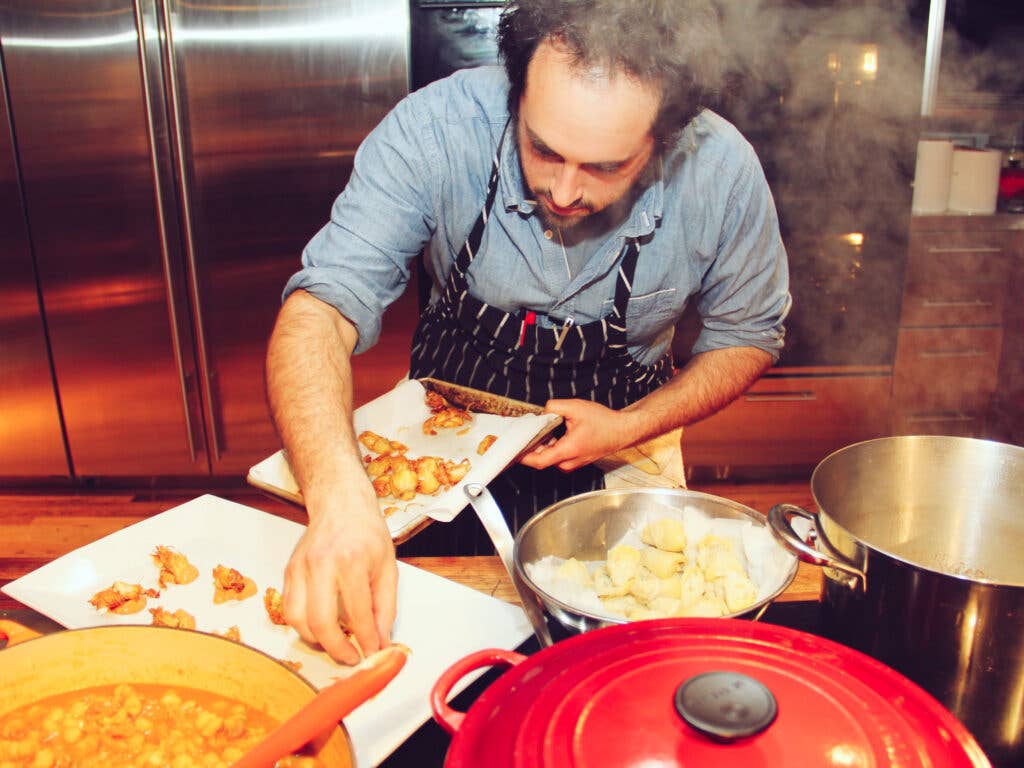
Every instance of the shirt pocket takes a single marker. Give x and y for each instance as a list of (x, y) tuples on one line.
[(648, 316), (646, 310)]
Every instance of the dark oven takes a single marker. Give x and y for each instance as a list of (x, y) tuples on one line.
[(446, 36)]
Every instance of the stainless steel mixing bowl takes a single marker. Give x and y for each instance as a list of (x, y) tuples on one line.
[(585, 526)]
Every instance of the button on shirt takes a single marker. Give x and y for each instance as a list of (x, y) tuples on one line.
[(704, 217)]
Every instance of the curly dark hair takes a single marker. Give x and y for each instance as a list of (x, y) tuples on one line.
[(675, 44)]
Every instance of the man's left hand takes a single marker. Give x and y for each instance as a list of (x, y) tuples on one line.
[(592, 431)]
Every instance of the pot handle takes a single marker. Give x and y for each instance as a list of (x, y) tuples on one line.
[(779, 518), (11, 633), (451, 719), (493, 521)]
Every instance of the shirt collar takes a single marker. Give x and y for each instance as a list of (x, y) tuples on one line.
[(644, 216)]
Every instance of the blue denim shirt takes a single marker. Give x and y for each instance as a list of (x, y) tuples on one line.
[(706, 222)]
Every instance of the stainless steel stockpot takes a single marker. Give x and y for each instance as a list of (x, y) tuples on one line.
[(922, 544)]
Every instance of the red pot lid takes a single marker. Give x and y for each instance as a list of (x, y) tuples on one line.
[(640, 694)]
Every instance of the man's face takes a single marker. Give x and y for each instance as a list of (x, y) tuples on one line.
[(584, 136)]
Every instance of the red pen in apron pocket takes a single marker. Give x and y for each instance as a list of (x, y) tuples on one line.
[(529, 318)]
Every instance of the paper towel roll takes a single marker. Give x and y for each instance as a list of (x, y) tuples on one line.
[(932, 176), (974, 182)]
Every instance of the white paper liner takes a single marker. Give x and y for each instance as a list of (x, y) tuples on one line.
[(765, 561), (399, 415)]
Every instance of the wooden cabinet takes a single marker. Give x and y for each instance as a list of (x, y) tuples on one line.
[(793, 417), (1006, 421), (952, 324), (958, 369), (952, 368)]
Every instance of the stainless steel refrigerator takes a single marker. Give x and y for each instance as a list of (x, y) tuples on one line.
[(170, 160), (31, 441)]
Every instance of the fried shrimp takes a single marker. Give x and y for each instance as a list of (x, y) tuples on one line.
[(122, 598), (397, 476), (377, 444), (428, 472), (180, 619), (229, 584), (404, 479), (274, 604), (444, 415), (174, 567), (455, 472)]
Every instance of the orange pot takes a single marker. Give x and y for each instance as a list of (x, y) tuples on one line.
[(83, 658)]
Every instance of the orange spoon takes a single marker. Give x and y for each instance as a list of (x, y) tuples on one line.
[(328, 707)]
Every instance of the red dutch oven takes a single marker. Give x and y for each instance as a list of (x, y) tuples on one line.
[(697, 692)]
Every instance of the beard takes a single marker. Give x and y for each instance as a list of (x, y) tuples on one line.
[(586, 211), (553, 219)]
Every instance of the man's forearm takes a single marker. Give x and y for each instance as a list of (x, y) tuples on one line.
[(309, 384), (708, 382)]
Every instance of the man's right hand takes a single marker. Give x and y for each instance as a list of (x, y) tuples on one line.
[(343, 569), (343, 572)]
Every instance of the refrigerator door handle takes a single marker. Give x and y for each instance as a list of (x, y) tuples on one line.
[(178, 134), (144, 32)]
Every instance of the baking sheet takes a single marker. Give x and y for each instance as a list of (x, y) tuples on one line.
[(399, 415), (441, 621)]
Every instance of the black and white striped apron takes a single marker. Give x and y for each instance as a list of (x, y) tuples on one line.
[(465, 341)]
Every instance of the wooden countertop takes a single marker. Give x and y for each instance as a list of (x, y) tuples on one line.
[(35, 528), (486, 574)]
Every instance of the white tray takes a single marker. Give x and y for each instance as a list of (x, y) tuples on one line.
[(441, 621)]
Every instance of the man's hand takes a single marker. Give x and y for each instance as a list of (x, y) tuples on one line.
[(708, 382), (343, 571), (592, 431)]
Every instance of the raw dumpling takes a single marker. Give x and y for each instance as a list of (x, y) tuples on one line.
[(665, 607), (716, 558), (642, 612), (691, 586), (666, 533), (605, 587), (661, 563), (670, 587), (710, 605), (645, 586), (737, 590), (575, 572), (623, 563), (622, 605)]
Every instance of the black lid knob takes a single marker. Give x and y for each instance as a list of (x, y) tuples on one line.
[(726, 706)]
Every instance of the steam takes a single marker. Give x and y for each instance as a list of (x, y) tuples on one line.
[(808, 70), (829, 94)]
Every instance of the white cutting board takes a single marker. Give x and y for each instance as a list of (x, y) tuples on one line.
[(441, 621)]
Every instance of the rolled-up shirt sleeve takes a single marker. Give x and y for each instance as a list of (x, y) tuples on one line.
[(744, 296), (360, 261)]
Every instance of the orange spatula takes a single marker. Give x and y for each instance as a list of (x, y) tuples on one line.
[(328, 707)]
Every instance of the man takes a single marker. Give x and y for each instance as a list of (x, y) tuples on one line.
[(570, 204)]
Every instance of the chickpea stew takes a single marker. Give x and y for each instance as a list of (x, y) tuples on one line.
[(135, 725)]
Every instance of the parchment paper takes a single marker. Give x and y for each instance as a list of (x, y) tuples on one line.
[(399, 415)]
